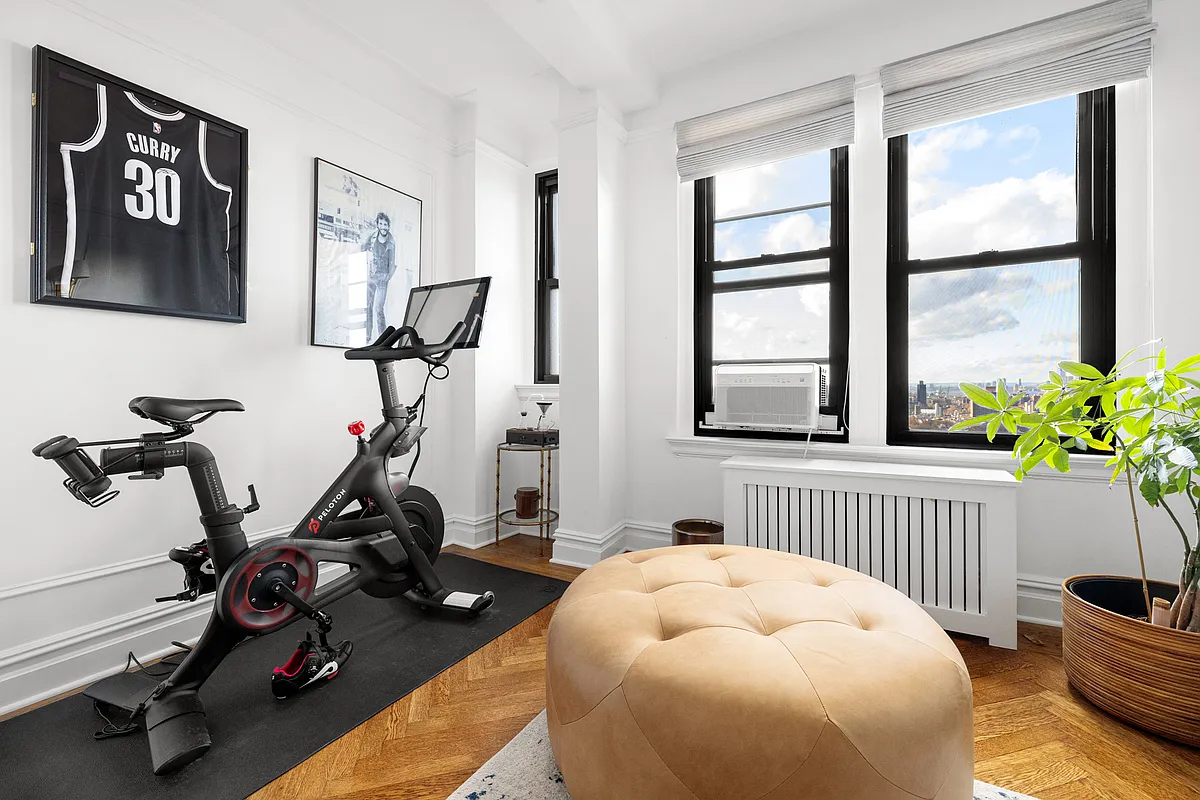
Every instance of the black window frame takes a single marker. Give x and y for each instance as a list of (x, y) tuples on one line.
[(1095, 247), (546, 276), (838, 278)]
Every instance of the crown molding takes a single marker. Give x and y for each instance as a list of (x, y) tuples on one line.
[(483, 148)]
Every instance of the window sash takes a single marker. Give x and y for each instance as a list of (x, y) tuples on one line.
[(1094, 248), (837, 276), (544, 283)]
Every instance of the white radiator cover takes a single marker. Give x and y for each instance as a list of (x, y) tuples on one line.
[(944, 536)]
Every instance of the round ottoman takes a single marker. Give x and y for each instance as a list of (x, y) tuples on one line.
[(711, 672)]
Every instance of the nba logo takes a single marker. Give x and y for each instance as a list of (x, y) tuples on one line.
[(157, 128)]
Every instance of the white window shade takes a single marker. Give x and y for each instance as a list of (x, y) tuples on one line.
[(1087, 49), (787, 125)]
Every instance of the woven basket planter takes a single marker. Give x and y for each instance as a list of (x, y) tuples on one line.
[(1146, 675)]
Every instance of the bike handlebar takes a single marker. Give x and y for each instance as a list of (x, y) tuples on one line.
[(385, 347), (83, 476)]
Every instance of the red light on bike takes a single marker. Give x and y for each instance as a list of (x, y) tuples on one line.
[(356, 428)]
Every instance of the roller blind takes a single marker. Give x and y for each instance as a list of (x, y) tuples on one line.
[(1087, 49), (786, 125)]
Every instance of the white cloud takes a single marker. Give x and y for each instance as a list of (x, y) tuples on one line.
[(739, 191), (931, 152), (1017, 134), (1010, 214), (733, 322), (797, 232), (777, 323), (815, 299)]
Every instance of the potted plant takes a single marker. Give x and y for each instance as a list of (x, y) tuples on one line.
[(1149, 426)]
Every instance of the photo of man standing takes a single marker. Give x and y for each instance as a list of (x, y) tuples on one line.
[(366, 256), (380, 248)]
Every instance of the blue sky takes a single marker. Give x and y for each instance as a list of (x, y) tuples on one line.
[(1002, 181)]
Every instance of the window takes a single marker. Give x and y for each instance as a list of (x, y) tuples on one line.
[(772, 267), (1001, 259), (546, 341)]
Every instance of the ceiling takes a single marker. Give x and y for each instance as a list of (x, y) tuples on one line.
[(508, 58), (675, 34)]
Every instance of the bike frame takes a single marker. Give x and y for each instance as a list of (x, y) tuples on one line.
[(370, 546)]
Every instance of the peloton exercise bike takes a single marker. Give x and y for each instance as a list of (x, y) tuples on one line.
[(389, 541)]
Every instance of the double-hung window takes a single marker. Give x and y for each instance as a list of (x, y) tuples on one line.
[(546, 340), (771, 275), (1001, 259)]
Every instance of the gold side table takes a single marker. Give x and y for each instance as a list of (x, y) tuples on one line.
[(546, 515)]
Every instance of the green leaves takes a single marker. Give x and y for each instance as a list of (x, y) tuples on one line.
[(981, 397), (1151, 489), (1082, 370)]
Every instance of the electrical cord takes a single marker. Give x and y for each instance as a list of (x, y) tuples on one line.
[(112, 729), (412, 468)]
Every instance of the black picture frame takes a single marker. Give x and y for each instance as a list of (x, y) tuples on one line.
[(51, 72), (323, 333)]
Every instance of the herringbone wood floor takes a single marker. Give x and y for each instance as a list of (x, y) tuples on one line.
[(1032, 732)]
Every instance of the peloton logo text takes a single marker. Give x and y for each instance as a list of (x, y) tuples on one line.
[(314, 525)]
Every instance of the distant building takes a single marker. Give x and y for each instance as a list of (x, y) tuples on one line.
[(922, 394)]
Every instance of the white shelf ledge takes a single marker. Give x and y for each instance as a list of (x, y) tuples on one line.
[(1083, 467)]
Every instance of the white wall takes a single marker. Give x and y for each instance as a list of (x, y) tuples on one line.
[(493, 220), (1067, 525), (73, 579)]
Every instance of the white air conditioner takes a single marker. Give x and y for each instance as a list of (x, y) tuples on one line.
[(769, 396)]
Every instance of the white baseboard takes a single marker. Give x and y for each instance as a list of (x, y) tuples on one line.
[(582, 549), (41, 667), (476, 532), (646, 535), (1039, 600)]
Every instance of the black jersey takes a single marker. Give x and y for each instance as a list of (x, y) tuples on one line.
[(147, 223)]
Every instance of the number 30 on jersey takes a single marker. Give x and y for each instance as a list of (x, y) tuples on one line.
[(155, 192)]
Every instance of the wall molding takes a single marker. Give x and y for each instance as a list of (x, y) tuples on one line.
[(1086, 468), (582, 549), (1039, 600), (475, 532), (108, 570), (483, 148), (548, 390)]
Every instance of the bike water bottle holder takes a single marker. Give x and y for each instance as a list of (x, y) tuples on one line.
[(85, 481)]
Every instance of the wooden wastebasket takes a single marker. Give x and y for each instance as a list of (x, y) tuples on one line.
[(697, 531)]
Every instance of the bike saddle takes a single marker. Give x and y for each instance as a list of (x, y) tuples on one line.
[(172, 411)]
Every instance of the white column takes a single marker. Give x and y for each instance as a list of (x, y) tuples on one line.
[(868, 271), (493, 221), (592, 329)]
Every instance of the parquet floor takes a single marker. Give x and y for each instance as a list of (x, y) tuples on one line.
[(1032, 732)]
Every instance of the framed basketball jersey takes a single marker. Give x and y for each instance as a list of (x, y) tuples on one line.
[(138, 200)]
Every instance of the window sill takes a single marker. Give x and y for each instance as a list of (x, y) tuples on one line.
[(547, 390), (1083, 468)]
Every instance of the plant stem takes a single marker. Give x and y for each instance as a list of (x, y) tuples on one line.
[(1187, 544), (1137, 532)]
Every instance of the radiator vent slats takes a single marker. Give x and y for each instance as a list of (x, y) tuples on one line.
[(930, 549), (944, 536)]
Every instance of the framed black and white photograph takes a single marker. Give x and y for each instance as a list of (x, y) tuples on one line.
[(366, 256), (139, 201)]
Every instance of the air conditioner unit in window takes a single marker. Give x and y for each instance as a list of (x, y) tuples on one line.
[(769, 396)]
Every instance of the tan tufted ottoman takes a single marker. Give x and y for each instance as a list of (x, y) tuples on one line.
[(732, 672)]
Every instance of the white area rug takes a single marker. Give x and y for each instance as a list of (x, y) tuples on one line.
[(525, 770)]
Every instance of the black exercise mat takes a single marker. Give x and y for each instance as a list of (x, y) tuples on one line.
[(49, 753)]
